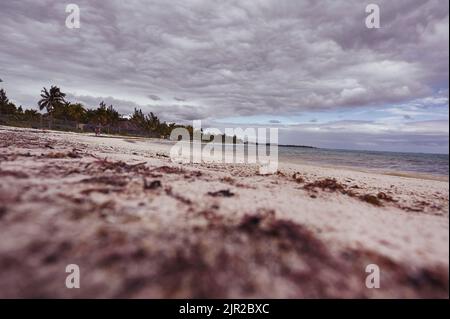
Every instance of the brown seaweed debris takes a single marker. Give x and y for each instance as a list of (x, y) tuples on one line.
[(152, 185), (73, 154), (221, 193), (15, 174), (376, 200), (205, 257), (109, 180), (120, 166), (385, 197), (70, 154), (72, 171), (371, 199), (54, 155), (227, 179), (211, 216), (195, 174), (329, 184), (419, 206), (100, 190), (430, 282), (298, 178), (2, 211), (178, 197), (162, 155), (168, 170), (291, 235)]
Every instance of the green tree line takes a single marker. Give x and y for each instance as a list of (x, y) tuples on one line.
[(56, 107)]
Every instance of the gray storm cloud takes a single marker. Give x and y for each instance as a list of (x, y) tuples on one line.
[(226, 57)]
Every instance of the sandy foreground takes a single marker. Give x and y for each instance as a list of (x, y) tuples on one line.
[(140, 226)]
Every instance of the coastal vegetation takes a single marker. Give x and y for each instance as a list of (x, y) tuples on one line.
[(56, 112)]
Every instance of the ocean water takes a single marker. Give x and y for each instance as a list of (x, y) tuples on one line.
[(433, 164), (385, 162)]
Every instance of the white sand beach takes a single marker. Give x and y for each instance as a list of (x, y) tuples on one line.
[(141, 226)]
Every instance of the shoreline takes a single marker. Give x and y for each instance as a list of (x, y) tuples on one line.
[(283, 159), (141, 226), (376, 171)]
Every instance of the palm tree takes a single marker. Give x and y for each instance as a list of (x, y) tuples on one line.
[(138, 118), (50, 100), (101, 114), (153, 122), (3, 98), (113, 117), (4, 101), (77, 112)]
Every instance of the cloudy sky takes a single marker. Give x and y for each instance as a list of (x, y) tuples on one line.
[(310, 68)]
